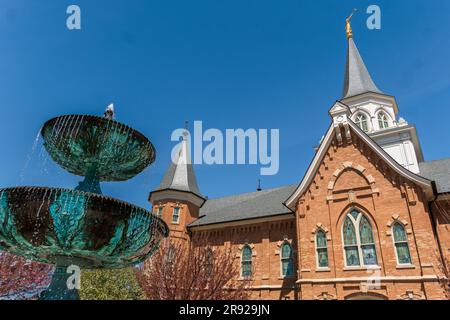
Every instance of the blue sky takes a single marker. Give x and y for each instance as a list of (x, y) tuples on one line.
[(232, 64)]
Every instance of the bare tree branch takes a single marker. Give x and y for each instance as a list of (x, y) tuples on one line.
[(193, 271)]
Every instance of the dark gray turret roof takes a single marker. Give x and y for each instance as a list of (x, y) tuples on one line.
[(180, 175), (438, 171), (357, 79), (259, 204)]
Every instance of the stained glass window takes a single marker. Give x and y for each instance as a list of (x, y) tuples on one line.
[(367, 244), (359, 244), (401, 244), (361, 121), (350, 243), (209, 262), (246, 261), (322, 250), (287, 263), (383, 122), (176, 215), (170, 255), (355, 214)]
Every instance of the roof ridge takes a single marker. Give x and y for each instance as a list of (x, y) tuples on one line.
[(253, 192), (435, 160)]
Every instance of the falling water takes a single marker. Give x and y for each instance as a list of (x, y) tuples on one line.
[(79, 126), (38, 215), (30, 155), (52, 140)]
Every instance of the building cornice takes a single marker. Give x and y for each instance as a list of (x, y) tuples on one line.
[(180, 195), (371, 97), (432, 278), (411, 129)]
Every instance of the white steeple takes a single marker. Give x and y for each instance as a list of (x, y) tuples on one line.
[(376, 112)]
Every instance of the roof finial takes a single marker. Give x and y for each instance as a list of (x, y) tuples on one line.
[(348, 27), (186, 130), (259, 185)]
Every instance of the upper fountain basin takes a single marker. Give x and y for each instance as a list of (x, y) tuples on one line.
[(90, 145)]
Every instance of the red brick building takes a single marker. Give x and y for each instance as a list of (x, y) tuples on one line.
[(369, 219)]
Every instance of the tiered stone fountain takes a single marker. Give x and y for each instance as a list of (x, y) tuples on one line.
[(82, 227)]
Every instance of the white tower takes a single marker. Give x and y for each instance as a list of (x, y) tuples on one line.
[(377, 113)]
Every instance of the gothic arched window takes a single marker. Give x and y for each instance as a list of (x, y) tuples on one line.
[(169, 257), (246, 262), (209, 262), (359, 244), (322, 249), (287, 262), (401, 244), (383, 121), (361, 122)]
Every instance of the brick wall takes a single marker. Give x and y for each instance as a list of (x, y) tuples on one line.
[(353, 176)]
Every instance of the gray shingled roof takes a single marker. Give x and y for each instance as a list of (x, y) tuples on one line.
[(170, 181), (357, 79), (438, 171), (245, 206), (180, 175)]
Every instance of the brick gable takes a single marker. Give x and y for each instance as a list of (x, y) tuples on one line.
[(352, 175)]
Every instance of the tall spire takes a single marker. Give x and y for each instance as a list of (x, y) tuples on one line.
[(357, 79), (180, 176)]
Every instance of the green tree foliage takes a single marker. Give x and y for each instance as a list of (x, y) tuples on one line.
[(110, 284)]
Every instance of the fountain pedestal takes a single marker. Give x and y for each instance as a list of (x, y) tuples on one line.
[(59, 287)]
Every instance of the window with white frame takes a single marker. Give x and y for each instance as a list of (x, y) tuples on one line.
[(361, 122), (159, 211), (287, 261), (322, 249), (401, 243), (359, 244), (176, 215), (246, 261), (383, 121)]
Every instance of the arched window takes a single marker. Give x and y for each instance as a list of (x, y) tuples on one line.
[(246, 262), (322, 249), (209, 262), (169, 258), (383, 121), (287, 262), (401, 244), (361, 121), (359, 244)]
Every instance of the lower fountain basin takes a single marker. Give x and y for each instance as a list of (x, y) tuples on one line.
[(64, 226)]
